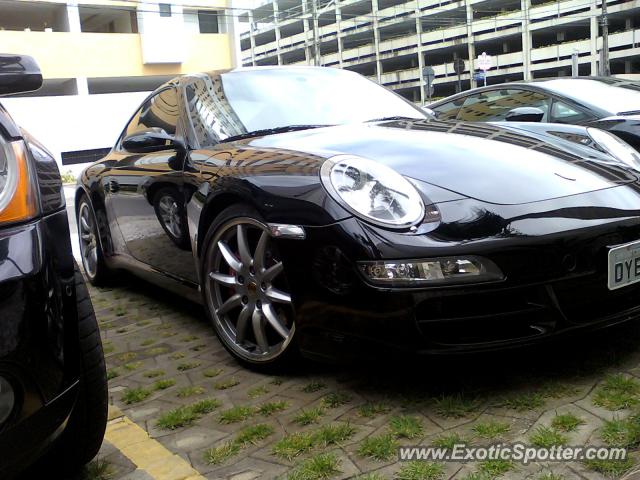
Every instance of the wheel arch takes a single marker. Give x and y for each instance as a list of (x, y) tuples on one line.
[(213, 207)]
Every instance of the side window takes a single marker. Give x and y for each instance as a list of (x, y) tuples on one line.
[(563, 113), (448, 111), (212, 117), (159, 112), (493, 106)]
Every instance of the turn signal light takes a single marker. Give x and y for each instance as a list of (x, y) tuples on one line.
[(18, 196)]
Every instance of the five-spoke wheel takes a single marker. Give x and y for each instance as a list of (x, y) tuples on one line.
[(90, 248), (246, 291)]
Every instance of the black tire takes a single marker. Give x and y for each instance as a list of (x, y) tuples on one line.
[(101, 275), (82, 438), (290, 356)]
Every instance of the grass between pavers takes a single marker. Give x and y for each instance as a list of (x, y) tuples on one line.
[(154, 373), (190, 391), (212, 372), (456, 406), (405, 426), (449, 440), (132, 366), (256, 392), (134, 395), (622, 432), (617, 392), (164, 384), (610, 468), (566, 422), (184, 366), (370, 476), (226, 384), (373, 409), (319, 467), (420, 471), (112, 373), (312, 387), (491, 429), (236, 414), (522, 402), (98, 469), (380, 447), (336, 399), (187, 414), (217, 455), (309, 416), (241, 413), (550, 476), (250, 435), (547, 437), (295, 444)]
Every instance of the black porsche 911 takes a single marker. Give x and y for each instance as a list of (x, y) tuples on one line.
[(611, 104), (53, 382), (313, 211)]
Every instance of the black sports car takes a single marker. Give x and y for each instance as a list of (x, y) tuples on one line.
[(611, 104), (311, 209), (53, 387)]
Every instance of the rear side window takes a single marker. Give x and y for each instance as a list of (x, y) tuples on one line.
[(563, 113), (158, 112), (449, 110), (494, 105)]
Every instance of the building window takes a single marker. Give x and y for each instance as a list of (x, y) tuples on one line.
[(208, 21), (165, 9)]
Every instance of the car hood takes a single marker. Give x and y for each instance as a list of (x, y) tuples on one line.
[(481, 161)]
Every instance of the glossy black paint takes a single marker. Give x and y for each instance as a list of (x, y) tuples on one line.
[(38, 316), (18, 73), (625, 124), (542, 207)]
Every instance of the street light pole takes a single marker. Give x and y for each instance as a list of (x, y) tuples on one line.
[(605, 70)]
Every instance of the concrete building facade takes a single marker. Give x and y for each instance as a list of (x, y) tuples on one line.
[(100, 58), (391, 41)]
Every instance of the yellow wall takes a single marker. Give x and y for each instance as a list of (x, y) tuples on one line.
[(70, 55)]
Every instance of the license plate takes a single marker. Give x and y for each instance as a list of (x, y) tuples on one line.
[(624, 265)]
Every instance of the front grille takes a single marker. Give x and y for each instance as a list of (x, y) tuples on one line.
[(524, 312), (588, 299)]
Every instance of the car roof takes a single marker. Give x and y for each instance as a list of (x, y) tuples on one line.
[(189, 77), (546, 84)]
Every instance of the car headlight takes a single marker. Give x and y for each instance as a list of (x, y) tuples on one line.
[(372, 191), (615, 146), (431, 271), (18, 197)]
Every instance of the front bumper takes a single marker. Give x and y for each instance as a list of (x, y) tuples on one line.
[(38, 325), (553, 255)]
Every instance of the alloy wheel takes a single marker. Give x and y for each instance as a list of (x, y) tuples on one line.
[(246, 291), (88, 240), (170, 214)]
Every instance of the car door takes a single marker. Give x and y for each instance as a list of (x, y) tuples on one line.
[(146, 191), (494, 105)]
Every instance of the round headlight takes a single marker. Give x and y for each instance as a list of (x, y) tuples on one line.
[(615, 146), (372, 191)]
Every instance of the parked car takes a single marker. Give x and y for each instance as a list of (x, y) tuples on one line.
[(310, 209), (611, 104), (53, 388)]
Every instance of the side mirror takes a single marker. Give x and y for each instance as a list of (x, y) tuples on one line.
[(18, 74), (151, 140), (428, 111), (525, 114)]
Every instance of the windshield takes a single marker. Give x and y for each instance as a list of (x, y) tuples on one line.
[(615, 97), (243, 101)]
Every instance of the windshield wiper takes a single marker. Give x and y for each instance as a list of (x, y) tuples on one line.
[(271, 131), (397, 117)]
